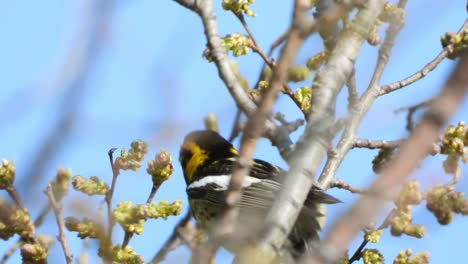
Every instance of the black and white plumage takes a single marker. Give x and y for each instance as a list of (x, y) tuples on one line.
[(208, 159)]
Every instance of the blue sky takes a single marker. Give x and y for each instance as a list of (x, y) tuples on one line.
[(149, 82)]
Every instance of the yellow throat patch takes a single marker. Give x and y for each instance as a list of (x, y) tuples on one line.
[(199, 156)]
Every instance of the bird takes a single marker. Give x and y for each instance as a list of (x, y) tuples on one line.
[(207, 161)]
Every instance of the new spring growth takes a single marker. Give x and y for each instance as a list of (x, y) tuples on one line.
[(453, 145), (7, 174), (314, 62), (132, 159), (34, 253), (372, 256), (91, 186), (85, 228), (404, 257), (304, 95), (401, 222), (161, 167), (60, 183), (239, 7), (131, 217), (125, 255), (14, 220), (237, 43), (444, 202), (298, 73), (392, 14), (372, 235), (459, 42)]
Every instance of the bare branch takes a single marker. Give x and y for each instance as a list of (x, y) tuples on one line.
[(253, 130), (357, 112), (365, 143), (110, 193), (58, 217), (11, 190), (346, 186), (421, 73), (412, 151)]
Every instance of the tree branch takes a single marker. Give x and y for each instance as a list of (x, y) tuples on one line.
[(310, 151), (357, 112), (421, 73), (412, 151), (58, 217)]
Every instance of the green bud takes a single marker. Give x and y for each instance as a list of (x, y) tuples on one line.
[(298, 73), (161, 167), (34, 253), (7, 174), (372, 256), (91, 186), (85, 228)]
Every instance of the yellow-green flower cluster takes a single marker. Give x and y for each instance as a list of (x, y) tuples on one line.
[(404, 257), (372, 256), (125, 255), (392, 14), (85, 228), (91, 186), (7, 174), (373, 235), (61, 183), (298, 73), (34, 253), (161, 167), (132, 159), (458, 40), (131, 217), (314, 62), (237, 43), (444, 202), (401, 222), (14, 220), (239, 6), (304, 96), (455, 140)]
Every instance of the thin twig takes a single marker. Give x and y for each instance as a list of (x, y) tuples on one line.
[(358, 253), (58, 217), (11, 190), (376, 144), (110, 193), (172, 242), (236, 126), (153, 192), (411, 111), (421, 73), (346, 186), (10, 251)]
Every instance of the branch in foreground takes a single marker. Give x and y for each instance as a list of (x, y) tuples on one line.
[(386, 186), (253, 130), (310, 151), (58, 217)]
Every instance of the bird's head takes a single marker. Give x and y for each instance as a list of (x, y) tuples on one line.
[(201, 148)]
